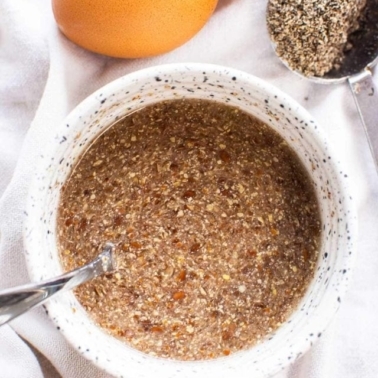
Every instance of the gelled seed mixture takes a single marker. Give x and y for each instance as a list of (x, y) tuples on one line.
[(215, 223)]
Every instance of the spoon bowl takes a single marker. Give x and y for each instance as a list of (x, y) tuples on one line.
[(364, 53)]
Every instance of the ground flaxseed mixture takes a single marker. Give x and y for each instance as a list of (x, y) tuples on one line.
[(215, 222), (311, 36)]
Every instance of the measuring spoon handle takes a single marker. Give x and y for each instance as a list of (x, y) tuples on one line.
[(17, 300), (365, 95)]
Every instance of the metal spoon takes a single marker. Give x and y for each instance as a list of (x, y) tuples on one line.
[(357, 70), (17, 300)]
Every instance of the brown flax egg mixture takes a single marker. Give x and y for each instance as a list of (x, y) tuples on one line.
[(215, 222)]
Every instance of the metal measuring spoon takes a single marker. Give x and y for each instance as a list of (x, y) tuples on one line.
[(357, 70), (17, 300)]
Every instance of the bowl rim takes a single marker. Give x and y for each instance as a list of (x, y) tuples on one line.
[(120, 84)]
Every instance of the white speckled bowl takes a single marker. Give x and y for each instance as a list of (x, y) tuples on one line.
[(284, 115)]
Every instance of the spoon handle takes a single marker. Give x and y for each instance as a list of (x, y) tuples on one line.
[(365, 95), (17, 300)]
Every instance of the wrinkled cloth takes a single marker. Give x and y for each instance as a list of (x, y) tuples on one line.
[(43, 76)]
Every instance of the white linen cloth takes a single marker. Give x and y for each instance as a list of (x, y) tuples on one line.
[(43, 76)]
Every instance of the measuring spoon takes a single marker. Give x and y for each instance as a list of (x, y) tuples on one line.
[(357, 70)]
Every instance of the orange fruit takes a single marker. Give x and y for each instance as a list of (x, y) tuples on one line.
[(131, 28)]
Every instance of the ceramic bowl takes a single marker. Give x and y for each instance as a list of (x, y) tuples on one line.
[(283, 114)]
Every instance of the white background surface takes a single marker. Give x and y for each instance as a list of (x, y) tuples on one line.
[(43, 76)]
